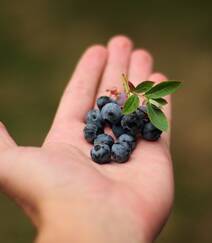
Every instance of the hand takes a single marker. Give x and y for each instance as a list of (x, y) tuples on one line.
[(68, 196)]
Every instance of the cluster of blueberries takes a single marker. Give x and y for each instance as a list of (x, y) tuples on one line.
[(126, 128)]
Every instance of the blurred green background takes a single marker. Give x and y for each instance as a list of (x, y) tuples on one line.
[(41, 41)]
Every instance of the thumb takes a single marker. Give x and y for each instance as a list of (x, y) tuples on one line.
[(13, 171), (6, 146), (19, 167)]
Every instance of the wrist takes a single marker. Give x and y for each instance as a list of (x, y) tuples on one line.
[(86, 223), (62, 223)]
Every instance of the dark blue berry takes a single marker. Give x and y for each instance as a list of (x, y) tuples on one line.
[(101, 153), (127, 146), (126, 138), (118, 130), (150, 132), (94, 116), (142, 113), (120, 152), (132, 123), (111, 113), (104, 138), (91, 131), (103, 100)]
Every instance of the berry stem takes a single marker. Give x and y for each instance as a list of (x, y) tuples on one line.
[(126, 85)]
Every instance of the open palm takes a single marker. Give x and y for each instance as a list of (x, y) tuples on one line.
[(61, 170)]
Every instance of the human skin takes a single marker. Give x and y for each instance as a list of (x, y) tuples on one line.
[(67, 196)]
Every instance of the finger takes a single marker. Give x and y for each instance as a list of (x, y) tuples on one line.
[(80, 92), (141, 64), (119, 51), (6, 141)]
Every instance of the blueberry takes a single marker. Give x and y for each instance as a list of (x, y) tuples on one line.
[(104, 138), (132, 123), (126, 138), (91, 131), (94, 116), (120, 152), (142, 113), (103, 100), (101, 153), (127, 146), (150, 132), (111, 113), (118, 130)]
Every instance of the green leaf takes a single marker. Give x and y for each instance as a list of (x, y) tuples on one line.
[(160, 101), (143, 87), (131, 104), (155, 103), (157, 117), (162, 89)]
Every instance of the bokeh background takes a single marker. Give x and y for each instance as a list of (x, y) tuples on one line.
[(40, 43)]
